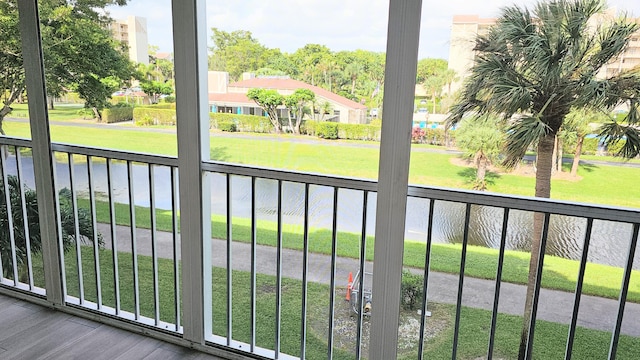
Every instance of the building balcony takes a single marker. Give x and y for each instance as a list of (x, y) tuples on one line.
[(284, 247), (241, 262)]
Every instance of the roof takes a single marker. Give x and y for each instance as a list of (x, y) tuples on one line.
[(290, 84), (230, 98)]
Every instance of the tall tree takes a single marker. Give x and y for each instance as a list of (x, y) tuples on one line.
[(353, 71), (296, 104), (541, 63), (433, 85), (578, 124), (71, 32), (236, 52), (269, 100), (429, 67)]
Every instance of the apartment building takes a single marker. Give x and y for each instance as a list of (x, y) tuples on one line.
[(465, 29), (132, 31)]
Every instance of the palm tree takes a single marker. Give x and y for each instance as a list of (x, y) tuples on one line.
[(481, 140), (540, 64), (433, 85), (353, 71)]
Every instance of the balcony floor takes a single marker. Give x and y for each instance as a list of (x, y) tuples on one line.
[(30, 331)]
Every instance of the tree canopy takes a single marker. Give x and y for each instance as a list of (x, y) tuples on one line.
[(268, 100), (538, 65), (79, 51)]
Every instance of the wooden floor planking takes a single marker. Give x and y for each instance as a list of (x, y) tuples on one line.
[(29, 331)]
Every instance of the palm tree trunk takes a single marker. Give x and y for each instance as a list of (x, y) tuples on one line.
[(481, 172), (544, 160), (576, 157), (560, 154)]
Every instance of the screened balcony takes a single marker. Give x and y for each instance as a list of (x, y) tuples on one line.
[(246, 262)]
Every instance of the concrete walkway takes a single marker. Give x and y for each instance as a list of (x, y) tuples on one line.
[(556, 306)]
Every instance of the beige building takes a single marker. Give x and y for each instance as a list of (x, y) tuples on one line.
[(232, 97), (465, 29), (132, 31)]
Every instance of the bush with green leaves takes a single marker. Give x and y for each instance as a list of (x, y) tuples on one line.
[(590, 146), (154, 116), (412, 290), (246, 123), (117, 114), (358, 132), (228, 126), (31, 205), (327, 130)]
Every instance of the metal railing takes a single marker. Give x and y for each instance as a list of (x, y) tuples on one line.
[(104, 189)]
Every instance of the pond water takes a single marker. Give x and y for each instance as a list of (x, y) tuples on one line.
[(609, 240)]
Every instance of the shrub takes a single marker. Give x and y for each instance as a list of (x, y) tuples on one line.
[(411, 289), (434, 136), (358, 132), (117, 114), (417, 135), (247, 123), (85, 113), (169, 99), (327, 130), (152, 116), (226, 125), (309, 127), (590, 146), (614, 149)]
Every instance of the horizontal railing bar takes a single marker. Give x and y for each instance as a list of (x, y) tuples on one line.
[(5, 140), (599, 212), (533, 204), (117, 154), (291, 176)]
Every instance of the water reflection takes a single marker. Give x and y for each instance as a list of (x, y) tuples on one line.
[(609, 240)]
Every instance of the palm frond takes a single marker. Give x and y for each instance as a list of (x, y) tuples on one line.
[(521, 134)]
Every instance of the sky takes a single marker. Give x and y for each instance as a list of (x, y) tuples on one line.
[(338, 24)]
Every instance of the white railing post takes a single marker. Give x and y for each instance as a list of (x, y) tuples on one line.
[(393, 175), (43, 162), (190, 46)]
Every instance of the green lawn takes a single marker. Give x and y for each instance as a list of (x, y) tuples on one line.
[(474, 331), (559, 273), (61, 112), (435, 169)]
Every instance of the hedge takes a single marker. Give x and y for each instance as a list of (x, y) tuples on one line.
[(164, 106), (590, 146), (117, 114), (226, 125), (327, 130), (332, 130), (246, 123), (358, 132), (153, 116)]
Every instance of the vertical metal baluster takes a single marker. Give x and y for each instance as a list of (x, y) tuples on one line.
[(114, 241), (154, 244), (4, 188), (425, 285), (253, 263), (25, 219), (496, 296), (305, 269), (94, 226), (134, 245), (278, 272), (12, 240), (578, 294), (536, 295), (229, 264), (76, 223), (463, 259), (332, 287), (363, 258), (613, 348), (176, 258)]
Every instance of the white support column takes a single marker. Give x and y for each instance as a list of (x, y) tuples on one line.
[(43, 162), (190, 47), (393, 175)]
